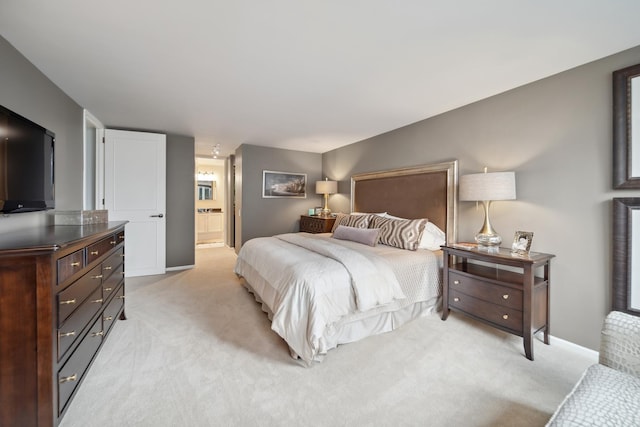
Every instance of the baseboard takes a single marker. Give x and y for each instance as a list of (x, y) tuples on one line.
[(180, 267), (568, 345)]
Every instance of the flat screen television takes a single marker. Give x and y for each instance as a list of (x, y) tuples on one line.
[(26, 164)]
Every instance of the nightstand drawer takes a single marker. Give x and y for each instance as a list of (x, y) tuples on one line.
[(316, 224), (490, 292), (502, 316)]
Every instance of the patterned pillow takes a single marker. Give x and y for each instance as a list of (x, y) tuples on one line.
[(357, 221), (399, 233)]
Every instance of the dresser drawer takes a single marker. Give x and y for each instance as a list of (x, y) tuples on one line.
[(100, 248), (71, 373), (70, 265), (112, 263), (110, 285), (495, 294), (505, 317), (113, 309), (71, 298), (74, 325)]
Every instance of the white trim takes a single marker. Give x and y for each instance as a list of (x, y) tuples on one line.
[(88, 118), (575, 348), (100, 168), (180, 267)]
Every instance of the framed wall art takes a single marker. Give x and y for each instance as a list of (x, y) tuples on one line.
[(284, 185), (626, 255), (626, 127)]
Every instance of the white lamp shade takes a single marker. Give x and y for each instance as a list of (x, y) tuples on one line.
[(488, 186), (326, 187)]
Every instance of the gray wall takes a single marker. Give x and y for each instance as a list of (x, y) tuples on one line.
[(180, 201), (255, 216), (28, 92), (556, 134)]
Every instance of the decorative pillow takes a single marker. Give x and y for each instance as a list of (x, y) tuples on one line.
[(432, 236), (399, 233), (366, 236), (358, 221)]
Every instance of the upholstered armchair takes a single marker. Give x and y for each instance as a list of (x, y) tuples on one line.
[(609, 392)]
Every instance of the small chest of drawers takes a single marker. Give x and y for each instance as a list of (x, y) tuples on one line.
[(514, 300), (316, 224)]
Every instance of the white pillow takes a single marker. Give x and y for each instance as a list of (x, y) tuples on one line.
[(432, 237)]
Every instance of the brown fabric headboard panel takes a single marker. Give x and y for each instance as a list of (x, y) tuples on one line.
[(428, 191)]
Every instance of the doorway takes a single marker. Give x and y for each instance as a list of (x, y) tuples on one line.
[(210, 191)]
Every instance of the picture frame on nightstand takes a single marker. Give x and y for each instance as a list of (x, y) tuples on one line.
[(522, 242)]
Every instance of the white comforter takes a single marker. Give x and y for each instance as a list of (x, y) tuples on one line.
[(309, 283)]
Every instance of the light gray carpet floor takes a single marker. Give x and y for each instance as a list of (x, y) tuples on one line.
[(197, 350)]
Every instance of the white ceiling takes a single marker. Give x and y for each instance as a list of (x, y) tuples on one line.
[(303, 75)]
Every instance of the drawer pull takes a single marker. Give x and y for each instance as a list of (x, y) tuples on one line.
[(66, 334), (94, 252), (107, 267), (108, 289), (97, 301), (456, 282), (505, 296), (67, 379), (121, 237), (75, 264), (456, 299), (113, 242), (120, 296), (68, 301), (97, 334), (108, 318), (99, 276), (505, 316)]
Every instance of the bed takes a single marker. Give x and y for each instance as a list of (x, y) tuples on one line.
[(373, 274)]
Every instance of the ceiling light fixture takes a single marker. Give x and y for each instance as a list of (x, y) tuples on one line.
[(216, 151)]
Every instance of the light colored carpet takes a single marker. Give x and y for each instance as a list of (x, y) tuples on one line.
[(197, 350)]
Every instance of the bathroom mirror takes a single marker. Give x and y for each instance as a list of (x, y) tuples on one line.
[(207, 190), (626, 127), (626, 255)]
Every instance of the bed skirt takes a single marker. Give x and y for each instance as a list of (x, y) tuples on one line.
[(355, 328)]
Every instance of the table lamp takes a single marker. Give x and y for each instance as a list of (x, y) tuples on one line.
[(487, 187), (326, 187)]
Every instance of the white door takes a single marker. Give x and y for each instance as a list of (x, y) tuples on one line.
[(134, 190)]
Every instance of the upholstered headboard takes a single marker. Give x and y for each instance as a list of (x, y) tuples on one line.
[(428, 191)]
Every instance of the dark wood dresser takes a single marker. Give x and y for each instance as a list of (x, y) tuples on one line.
[(514, 301), (61, 290), (316, 224)]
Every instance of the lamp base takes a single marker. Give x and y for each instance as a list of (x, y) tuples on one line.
[(487, 236), (485, 239), (325, 212)]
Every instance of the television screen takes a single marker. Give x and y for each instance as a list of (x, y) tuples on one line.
[(26, 164)]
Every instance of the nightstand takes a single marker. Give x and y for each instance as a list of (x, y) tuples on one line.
[(513, 301), (316, 224)]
